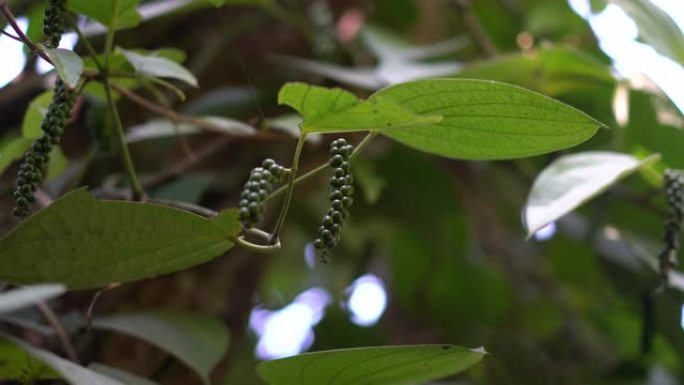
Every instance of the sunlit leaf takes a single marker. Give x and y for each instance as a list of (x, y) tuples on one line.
[(83, 242), (387, 365), (337, 110), (197, 340), (485, 119), (572, 180)]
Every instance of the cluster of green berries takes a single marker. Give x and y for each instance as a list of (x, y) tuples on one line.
[(340, 198), (36, 158), (53, 22), (260, 183), (674, 183)]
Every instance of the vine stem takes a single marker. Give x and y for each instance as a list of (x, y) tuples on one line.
[(136, 188), (290, 189), (362, 144)]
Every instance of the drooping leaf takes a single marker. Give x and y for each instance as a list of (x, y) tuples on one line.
[(158, 66), (656, 27), (119, 374), (572, 180), (72, 373), (387, 365), (68, 64), (164, 128), (114, 14), (337, 110), (13, 150), (83, 242), (485, 119), (197, 340), (28, 296)]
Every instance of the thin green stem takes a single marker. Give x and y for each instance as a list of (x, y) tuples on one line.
[(362, 144), (266, 249), (109, 40), (290, 189), (136, 188), (86, 44)]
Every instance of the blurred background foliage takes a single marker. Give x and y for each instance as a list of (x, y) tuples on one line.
[(442, 239)]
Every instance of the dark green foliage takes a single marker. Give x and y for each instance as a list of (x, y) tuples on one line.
[(53, 23), (259, 185), (341, 198), (674, 181), (36, 158)]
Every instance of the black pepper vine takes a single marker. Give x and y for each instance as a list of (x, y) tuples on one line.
[(260, 183), (36, 158), (674, 183), (53, 21), (341, 198)]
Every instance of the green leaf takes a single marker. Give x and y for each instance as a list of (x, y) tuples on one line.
[(13, 150), (572, 180), (72, 373), (158, 66), (113, 14), (33, 117), (164, 128), (17, 365), (656, 27), (197, 340), (28, 296), (386, 365), (121, 375), (337, 110), (57, 164), (68, 64), (485, 119), (83, 242)]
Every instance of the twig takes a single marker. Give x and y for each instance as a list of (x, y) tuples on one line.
[(52, 319), (12, 21), (203, 211), (290, 190), (11, 36), (475, 28)]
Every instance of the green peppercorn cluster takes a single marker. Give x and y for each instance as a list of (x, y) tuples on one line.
[(674, 183), (53, 22), (260, 183), (341, 197), (36, 158)]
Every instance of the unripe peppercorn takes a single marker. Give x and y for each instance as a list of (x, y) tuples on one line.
[(54, 20), (340, 198), (36, 158), (674, 190), (253, 197)]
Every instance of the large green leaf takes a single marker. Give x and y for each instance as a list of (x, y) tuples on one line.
[(571, 180), (33, 117), (114, 14), (68, 64), (656, 27), (28, 296), (386, 365), (197, 340), (158, 66), (83, 242), (337, 110), (485, 119), (72, 373), (15, 364)]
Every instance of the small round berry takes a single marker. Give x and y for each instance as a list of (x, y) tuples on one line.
[(319, 244), (336, 161)]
